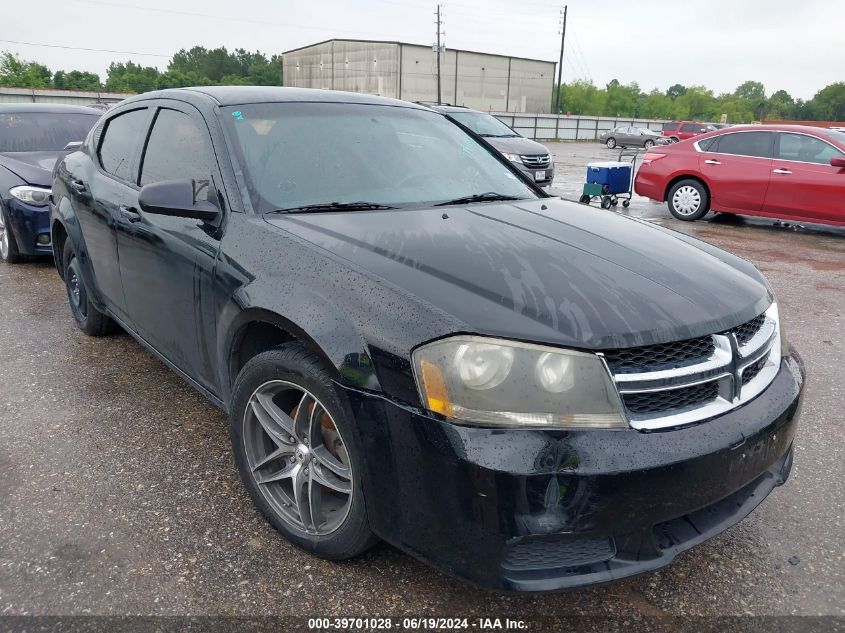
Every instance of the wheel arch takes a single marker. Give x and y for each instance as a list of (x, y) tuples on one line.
[(257, 330), (676, 179), (58, 236)]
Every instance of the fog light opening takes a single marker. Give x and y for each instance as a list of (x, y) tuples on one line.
[(43, 239)]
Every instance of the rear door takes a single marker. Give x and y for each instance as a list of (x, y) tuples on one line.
[(98, 194), (804, 184), (167, 263), (737, 167)]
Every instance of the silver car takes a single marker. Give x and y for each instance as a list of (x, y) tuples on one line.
[(626, 136)]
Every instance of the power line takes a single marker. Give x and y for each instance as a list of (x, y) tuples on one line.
[(81, 48)]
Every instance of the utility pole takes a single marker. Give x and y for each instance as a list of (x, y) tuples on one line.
[(560, 64), (439, 48)]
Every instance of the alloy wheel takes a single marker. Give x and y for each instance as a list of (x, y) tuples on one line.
[(686, 200), (297, 457)]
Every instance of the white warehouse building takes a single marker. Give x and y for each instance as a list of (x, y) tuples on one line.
[(493, 83)]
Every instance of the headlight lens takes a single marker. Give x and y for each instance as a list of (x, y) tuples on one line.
[(36, 196), (492, 382), (514, 158)]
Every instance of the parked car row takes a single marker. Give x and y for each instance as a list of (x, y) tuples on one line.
[(789, 172), (415, 342)]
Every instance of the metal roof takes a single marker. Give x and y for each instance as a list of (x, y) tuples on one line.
[(459, 50)]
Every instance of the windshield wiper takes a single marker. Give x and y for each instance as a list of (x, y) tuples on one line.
[(490, 196), (335, 206)]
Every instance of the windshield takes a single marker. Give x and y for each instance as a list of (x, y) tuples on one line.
[(43, 131), (483, 124), (299, 154), (668, 127)]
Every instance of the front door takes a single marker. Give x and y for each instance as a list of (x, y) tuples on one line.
[(804, 184), (167, 263), (737, 168), (97, 196)]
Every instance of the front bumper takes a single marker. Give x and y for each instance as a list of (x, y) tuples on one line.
[(547, 510), (547, 174), (27, 223)]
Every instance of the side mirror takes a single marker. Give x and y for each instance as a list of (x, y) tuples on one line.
[(73, 146), (838, 161), (177, 198)]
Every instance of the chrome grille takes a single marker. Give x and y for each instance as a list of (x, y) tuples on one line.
[(672, 384), (746, 331), (535, 161), (635, 359), (650, 402)]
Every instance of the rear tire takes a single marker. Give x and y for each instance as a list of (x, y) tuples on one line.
[(87, 317), (9, 252), (688, 200), (287, 418), (611, 143), (605, 202), (585, 199)]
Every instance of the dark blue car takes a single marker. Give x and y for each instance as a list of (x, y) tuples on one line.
[(32, 137)]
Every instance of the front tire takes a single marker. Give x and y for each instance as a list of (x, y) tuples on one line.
[(9, 252), (89, 319), (648, 144), (611, 143), (688, 200), (298, 454)]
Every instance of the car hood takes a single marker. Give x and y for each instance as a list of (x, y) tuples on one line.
[(517, 145), (35, 168), (546, 270)]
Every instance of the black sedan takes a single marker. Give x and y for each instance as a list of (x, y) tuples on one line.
[(32, 137), (414, 342)]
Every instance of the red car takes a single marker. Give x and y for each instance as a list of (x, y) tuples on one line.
[(782, 171), (682, 130)]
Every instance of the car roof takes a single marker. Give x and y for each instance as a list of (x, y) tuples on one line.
[(29, 108), (779, 128), (239, 95)]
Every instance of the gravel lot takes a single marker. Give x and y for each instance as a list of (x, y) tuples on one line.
[(118, 494)]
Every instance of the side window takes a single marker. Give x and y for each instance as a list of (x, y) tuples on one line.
[(756, 144), (119, 143), (178, 149), (708, 144), (689, 127), (806, 149)]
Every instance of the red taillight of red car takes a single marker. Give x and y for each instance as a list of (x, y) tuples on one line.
[(650, 157)]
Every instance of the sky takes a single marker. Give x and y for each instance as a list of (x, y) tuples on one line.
[(786, 44)]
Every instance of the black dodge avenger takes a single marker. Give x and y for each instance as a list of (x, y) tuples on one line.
[(414, 343)]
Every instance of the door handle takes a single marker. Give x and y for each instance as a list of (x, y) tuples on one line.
[(77, 185), (781, 171), (128, 213), (712, 162)]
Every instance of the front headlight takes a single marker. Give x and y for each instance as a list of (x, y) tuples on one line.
[(36, 196), (493, 382), (514, 158)]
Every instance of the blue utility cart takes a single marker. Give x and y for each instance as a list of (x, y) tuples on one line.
[(611, 181)]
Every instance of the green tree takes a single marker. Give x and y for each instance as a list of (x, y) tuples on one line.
[(829, 103), (781, 106), (19, 73), (678, 90), (131, 77), (76, 80)]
